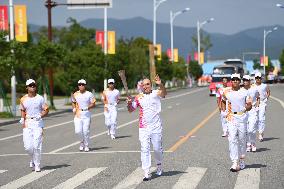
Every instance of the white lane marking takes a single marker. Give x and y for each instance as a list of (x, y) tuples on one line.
[(95, 115), (278, 100), (132, 180), (2, 171), (170, 107), (26, 179), (85, 153), (94, 136), (248, 178), (80, 178), (190, 179), (53, 126)]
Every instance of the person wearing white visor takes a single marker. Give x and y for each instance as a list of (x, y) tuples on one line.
[(110, 98), (239, 102), (264, 93), (82, 102), (252, 114), (33, 109)]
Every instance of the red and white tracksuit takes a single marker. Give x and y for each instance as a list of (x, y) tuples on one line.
[(150, 127)]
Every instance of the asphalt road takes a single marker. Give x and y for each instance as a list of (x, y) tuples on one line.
[(196, 156)]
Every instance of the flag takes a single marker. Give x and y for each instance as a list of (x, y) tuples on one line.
[(4, 18), (201, 58), (21, 23), (196, 56), (100, 38), (175, 55), (265, 60), (158, 51), (188, 59), (169, 54), (111, 42)]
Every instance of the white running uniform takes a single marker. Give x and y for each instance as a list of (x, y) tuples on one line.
[(262, 89), (150, 127), (237, 123), (33, 127), (82, 119), (110, 99), (252, 115)]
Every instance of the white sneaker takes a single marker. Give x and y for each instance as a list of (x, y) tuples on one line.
[(242, 164), (32, 164), (225, 134), (112, 137), (37, 169), (253, 148), (248, 148), (87, 149), (81, 148), (147, 176), (159, 171), (235, 167)]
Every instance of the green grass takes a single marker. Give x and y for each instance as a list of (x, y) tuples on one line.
[(5, 115)]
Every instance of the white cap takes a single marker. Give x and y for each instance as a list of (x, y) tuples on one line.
[(258, 74), (30, 81), (236, 75), (247, 77), (82, 81), (110, 81)]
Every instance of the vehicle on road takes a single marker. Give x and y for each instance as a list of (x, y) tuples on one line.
[(216, 83)]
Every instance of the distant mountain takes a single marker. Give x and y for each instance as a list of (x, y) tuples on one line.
[(224, 46)]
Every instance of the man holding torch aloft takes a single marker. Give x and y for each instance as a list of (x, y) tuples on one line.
[(150, 124)]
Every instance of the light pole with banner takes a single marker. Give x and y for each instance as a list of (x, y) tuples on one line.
[(265, 33), (173, 15), (199, 26)]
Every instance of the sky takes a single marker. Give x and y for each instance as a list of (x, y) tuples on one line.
[(231, 16)]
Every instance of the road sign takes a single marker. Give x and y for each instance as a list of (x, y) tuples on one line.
[(89, 4)]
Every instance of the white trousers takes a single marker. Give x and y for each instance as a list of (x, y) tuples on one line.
[(261, 117), (251, 126), (146, 138), (223, 121), (111, 119), (237, 138), (32, 138), (82, 129)]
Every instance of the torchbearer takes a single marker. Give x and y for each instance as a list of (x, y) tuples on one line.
[(239, 102), (33, 109), (150, 123)]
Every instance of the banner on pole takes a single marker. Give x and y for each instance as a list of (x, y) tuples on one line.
[(158, 51), (264, 60), (188, 59), (201, 57), (175, 55), (4, 18), (169, 54), (21, 23), (196, 56), (111, 42), (100, 38)]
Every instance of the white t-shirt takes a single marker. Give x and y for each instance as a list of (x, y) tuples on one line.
[(83, 100), (237, 99), (253, 93), (33, 106), (112, 97), (262, 89), (150, 108)]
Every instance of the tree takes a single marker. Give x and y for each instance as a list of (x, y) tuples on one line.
[(205, 42), (195, 69), (256, 65), (281, 59)]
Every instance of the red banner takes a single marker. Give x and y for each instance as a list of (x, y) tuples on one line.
[(188, 59), (100, 38), (169, 53), (4, 18), (196, 56)]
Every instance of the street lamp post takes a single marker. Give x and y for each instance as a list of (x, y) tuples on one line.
[(172, 18), (265, 33), (279, 5), (156, 4), (199, 25)]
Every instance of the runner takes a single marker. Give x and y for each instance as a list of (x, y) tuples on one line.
[(150, 124), (238, 103), (264, 93), (33, 109), (82, 102), (110, 97)]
